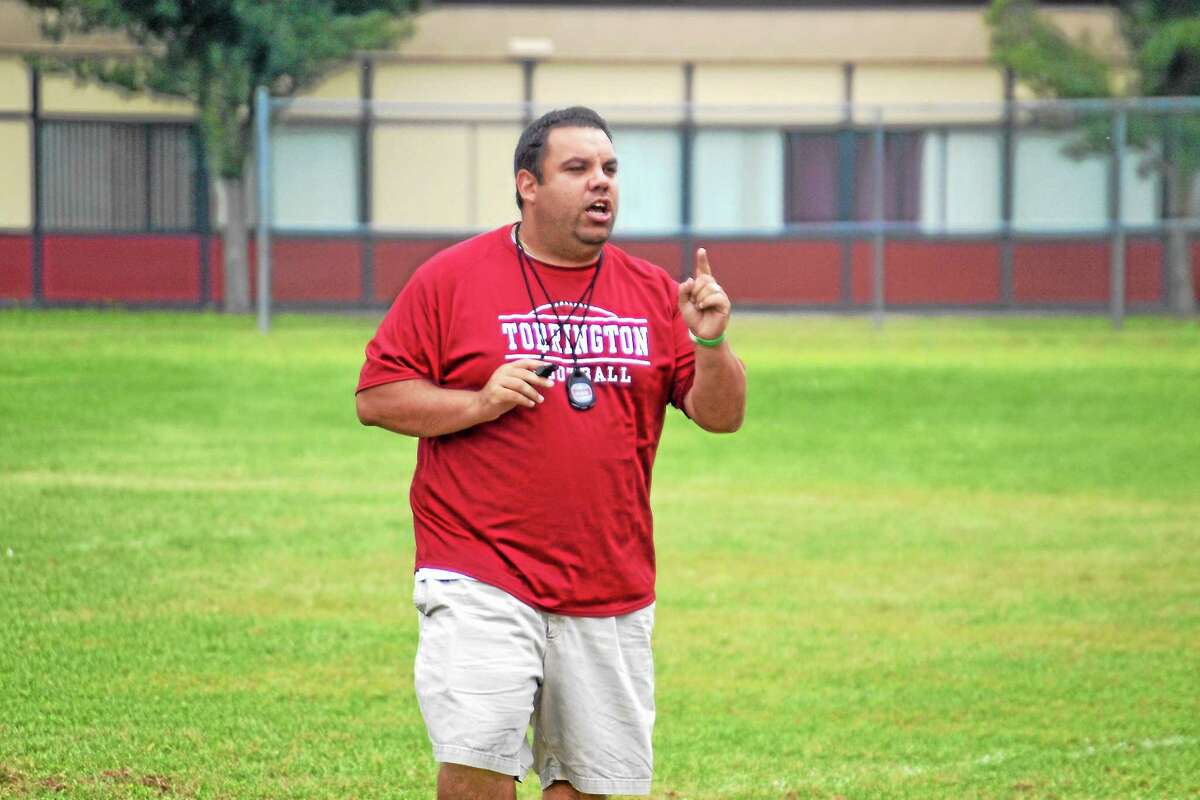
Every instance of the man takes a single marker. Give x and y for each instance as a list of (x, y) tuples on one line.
[(535, 363)]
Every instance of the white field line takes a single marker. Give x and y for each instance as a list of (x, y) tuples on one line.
[(1001, 756), (845, 778), (1142, 744)]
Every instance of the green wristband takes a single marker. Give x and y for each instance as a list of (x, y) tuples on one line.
[(707, 342)]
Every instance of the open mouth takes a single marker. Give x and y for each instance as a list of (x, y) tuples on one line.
[(600, 211)]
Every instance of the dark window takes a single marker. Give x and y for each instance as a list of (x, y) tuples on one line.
[(812, 165), (831, 176), (901, 176), (108, 176)]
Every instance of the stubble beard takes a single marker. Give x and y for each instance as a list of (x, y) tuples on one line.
[(577, 237), (585, 236), (594, 239)]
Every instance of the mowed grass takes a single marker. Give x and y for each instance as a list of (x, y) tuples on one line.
[(952, 558)]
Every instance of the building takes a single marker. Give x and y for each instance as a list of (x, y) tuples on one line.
[(749, 127)]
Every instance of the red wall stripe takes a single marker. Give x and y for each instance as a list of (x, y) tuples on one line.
[(794, 272), (1196, 267), (931, 273), (1143, 271), (302, 270), (397, 259), (16, 267), (862, 261), (668, 255), (114, 268), (316, 269), (151, 268), (1060, 272)]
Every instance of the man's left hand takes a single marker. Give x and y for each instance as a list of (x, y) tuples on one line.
[(702, 302)]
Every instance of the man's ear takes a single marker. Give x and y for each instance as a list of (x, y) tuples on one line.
[(527, 184)]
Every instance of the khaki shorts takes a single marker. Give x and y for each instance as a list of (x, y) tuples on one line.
[(488, 666)]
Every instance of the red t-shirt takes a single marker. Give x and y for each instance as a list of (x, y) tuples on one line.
[(550, 504)]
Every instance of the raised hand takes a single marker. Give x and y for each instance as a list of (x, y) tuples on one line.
[(702, 302)]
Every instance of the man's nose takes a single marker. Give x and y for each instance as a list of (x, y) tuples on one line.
[(600, 179)]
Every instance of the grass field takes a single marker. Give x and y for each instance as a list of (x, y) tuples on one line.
[(955, 558)]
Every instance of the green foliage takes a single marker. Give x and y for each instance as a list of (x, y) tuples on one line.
[(1165, 40), (1162, 40), (1169, 60), (1041, 55), (215, 53), (953, 559)]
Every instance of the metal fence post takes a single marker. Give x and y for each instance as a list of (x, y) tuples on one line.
[(366, 126), (1008, 157), (1116, 261), (687, 140), (37, 278), (528, 65), (877, 265), (200, 217), (262, 155)]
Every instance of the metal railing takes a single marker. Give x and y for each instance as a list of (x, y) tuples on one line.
[(1081, 123)]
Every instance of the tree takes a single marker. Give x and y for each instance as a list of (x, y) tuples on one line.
[(1162, 42), (215, 53)]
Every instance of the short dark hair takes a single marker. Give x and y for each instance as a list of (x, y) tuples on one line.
[(529, 153)]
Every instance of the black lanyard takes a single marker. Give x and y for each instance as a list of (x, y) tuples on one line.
[(584, 300), (580, 392)]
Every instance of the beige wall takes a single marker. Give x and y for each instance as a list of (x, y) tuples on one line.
[(621, 32), (62, 95), (775, 87), (419, 82), (829, 33), (893, 85), (612, 88), (453, 176), (495, 197), (342, 84), (14, 84), (15, 200)]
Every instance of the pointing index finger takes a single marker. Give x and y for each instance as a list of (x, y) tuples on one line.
[(702, 267)]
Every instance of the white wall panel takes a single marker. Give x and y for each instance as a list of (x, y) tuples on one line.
[(649, 179), (737, 180), (314, 177)]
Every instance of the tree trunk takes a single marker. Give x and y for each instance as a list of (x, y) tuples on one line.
[(237, 271), (1181, 291)]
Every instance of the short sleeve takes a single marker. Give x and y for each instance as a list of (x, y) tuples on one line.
[(685, 360), (405, 345)]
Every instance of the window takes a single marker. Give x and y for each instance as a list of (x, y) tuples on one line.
[(314, 176), (812, 177), (960, 180), (107, 176), (737, 180), (1053, 191), (901, 176), (649, 179), (831, 176), (1141, 191)]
